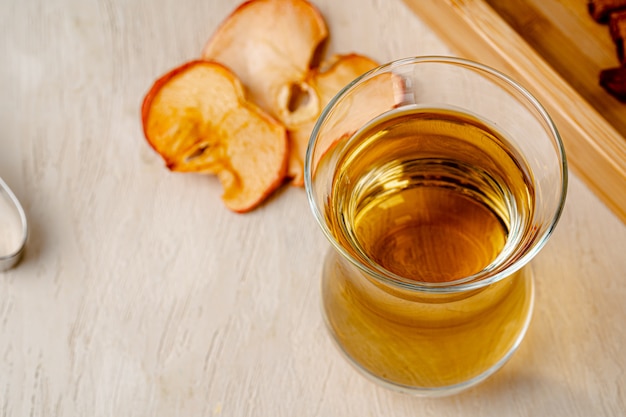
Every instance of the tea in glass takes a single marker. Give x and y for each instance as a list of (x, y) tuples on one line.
[(434, 207)]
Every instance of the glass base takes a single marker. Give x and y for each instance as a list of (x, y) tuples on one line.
[(426, 392), (425, 345)]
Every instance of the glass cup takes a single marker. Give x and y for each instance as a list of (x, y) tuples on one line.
[(436, 180)]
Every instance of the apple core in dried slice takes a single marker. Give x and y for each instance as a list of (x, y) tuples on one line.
[(325, 82), (271, 45), (199, 120)]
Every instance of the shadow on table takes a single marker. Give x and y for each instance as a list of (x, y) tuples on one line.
[(505, 394)]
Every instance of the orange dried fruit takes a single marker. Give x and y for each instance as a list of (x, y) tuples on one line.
[(271, 46), (198, 119), (323, 84)]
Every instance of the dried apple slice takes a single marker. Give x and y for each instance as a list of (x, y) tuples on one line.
[(324, 83), (271, 45), (198, 119), (377, 95)]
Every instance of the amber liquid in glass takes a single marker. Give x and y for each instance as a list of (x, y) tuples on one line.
[(427, 196)]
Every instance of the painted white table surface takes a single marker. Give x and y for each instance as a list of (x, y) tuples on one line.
[(141, 295)]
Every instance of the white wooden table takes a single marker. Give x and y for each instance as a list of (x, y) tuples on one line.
[(141, 295)]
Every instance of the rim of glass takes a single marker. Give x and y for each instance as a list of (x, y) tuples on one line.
[(483, 277)]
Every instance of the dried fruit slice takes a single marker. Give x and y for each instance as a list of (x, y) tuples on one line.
[(613, 80), (270, 45), (376, 95), (600, 10), (617, 29), (322, 85), (198, 119)]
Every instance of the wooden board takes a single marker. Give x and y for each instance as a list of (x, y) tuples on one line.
[(556, 50)]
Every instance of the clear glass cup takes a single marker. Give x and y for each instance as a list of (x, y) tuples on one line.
[(436, 180)]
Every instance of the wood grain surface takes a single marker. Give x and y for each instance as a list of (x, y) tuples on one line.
[(141, 295)]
